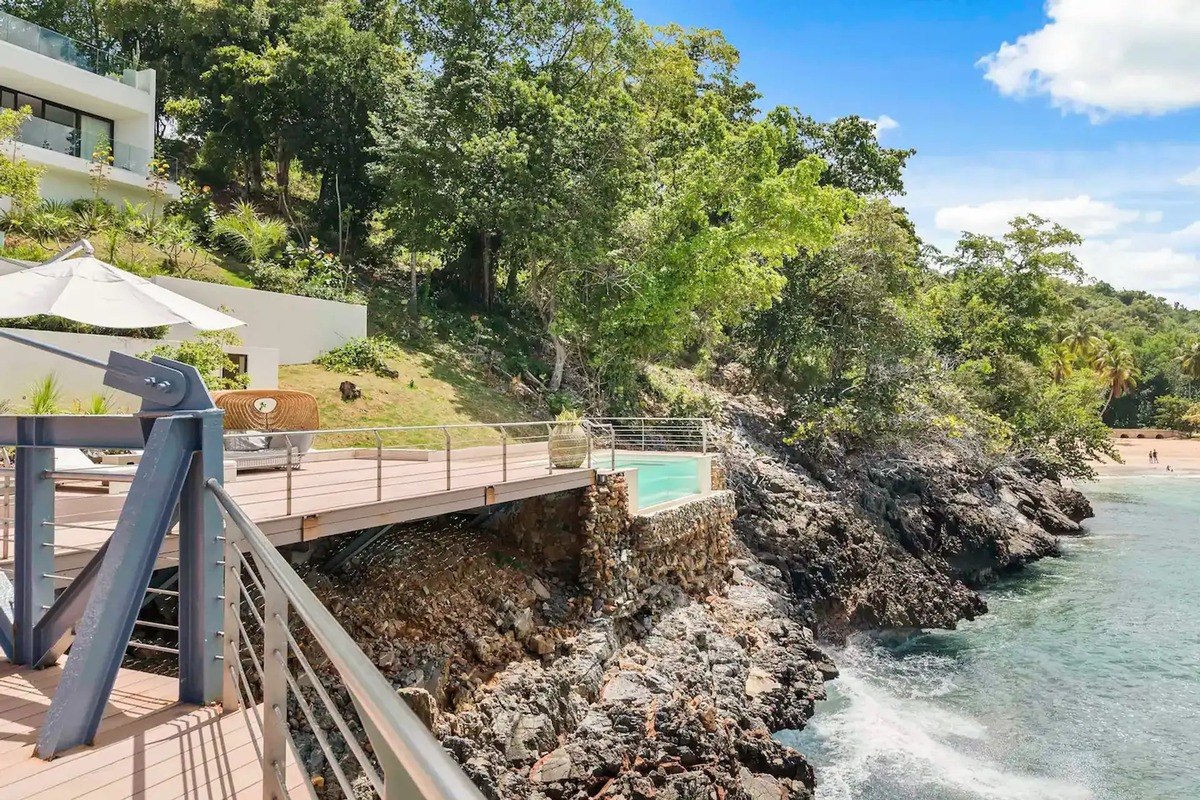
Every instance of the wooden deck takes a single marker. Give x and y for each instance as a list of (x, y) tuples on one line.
[(331, 496), (149, 745)]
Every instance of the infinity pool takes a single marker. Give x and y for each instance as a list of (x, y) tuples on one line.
[(661, 479)]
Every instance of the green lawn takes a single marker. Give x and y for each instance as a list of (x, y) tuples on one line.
[(428, 391)]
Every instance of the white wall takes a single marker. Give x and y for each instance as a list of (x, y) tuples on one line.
[(21, 365), (301, 328)]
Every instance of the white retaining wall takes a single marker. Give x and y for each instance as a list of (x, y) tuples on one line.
[(301, 328), (21, 366)]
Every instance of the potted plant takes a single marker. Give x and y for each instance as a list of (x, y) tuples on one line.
[(568, 441)]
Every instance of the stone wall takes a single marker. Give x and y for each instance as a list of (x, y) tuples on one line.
[(720, 475), (623, 561)]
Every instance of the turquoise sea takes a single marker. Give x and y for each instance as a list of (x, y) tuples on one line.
[(1082, 682)]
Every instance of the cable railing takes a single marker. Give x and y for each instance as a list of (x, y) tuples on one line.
[(420, 459), (269, 610), (659, 434)]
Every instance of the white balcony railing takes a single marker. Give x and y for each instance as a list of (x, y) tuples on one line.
[(73, 142), (63, 48)]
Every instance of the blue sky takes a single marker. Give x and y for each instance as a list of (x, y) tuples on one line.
[(1087, 111)]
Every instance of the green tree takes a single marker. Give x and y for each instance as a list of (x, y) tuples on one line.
[(1117, 370), (250, 235), (19, 180), (1189, 360)]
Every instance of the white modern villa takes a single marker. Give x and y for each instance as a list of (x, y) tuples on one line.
[(79, 95)]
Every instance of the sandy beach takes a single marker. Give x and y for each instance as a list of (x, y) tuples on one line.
[(1182, 455)]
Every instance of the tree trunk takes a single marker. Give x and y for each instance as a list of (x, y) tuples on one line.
[(510, 288), (283, 174), (412, 283), (560, 362), (486, 268)]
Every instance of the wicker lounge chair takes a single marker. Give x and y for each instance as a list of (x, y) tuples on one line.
[(262, 419)]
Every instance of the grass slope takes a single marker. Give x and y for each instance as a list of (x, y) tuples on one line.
[(430, 390)]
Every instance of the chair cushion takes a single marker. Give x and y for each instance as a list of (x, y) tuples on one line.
[(248, 442)]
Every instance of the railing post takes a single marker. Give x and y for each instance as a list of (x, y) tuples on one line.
[(200, 575), (287, 442), (378, 466), (503, 454), (704, 437), (446, 434), (231, 698), (588, 432), (7, 525), (33, 530), (643, 421), (275, 652)]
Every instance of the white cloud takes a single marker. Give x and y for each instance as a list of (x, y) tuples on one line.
[(1191, 179), (1106, 57), (884, 124), (1129, 264), (1187, 236), (1082, 214)]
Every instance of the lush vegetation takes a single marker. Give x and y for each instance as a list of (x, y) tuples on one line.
[(583, 203)]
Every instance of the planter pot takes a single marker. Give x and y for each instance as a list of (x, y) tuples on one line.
[(568, 446)]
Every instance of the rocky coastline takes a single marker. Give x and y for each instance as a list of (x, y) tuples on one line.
[(546, 686)]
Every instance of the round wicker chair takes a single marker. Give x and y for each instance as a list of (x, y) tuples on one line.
[(259, 413)]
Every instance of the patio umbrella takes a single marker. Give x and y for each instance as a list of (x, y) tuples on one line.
[(88, 290)]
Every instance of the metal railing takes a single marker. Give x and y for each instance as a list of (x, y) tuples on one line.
[(465, 455), (32, 36), (265, 601), (662, 434)]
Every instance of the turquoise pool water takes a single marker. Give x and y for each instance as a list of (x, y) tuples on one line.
[(661, 479)]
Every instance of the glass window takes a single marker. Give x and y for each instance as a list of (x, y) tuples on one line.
[(91, 131), (58, 114), (8, 99), (34, 103)]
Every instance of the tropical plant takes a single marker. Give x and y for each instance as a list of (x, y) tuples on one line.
[(174, 236), (1081, 338), (1061, 361), (100, 167), (1188, 358), (45, 395), (1117, 370), (250, 235)]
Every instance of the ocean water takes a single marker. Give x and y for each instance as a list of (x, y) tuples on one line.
[(1082, 682)]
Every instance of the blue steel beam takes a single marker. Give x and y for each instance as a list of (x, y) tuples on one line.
[(201, 577), (51, 634), (33, 531), (124, 573), (6, 616), (109, 433)]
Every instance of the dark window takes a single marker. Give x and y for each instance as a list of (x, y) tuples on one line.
[(34, 103), (60, 115), (72, 132), (241, 366)]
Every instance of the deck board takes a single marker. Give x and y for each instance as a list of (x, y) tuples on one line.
[(148, 746), (331, 496)]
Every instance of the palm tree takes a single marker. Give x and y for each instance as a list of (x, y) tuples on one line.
[(253, 237), (1061, 362), (1189, 360), (1115, 365), (1082, 338)]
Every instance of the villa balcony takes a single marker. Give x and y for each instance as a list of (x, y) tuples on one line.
[(53, 45), (47, 135)]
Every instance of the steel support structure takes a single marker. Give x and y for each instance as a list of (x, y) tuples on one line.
[(108, 619), (201, 555), (33, 530)]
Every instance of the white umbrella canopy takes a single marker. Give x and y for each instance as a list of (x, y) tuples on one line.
[(88, 290)]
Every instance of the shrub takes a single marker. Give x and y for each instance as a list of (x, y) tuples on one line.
[(43, 322), (361, 354), (207, 354)]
